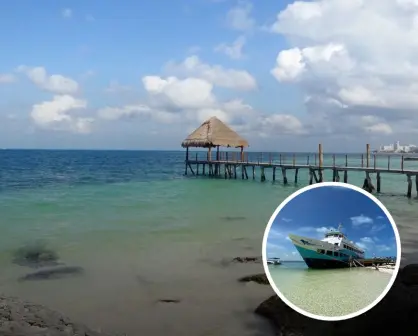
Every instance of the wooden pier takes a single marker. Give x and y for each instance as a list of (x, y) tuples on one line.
[(232, 165), (372, 262)]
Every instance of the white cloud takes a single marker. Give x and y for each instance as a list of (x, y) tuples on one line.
[(55, 115), (54, 83), (361, 54), (234, 50), (7, 78), (67, 13), (191, 100), (239, 18), (185, 93), (215, 74), (377, 228), (137, 111), (275, 234), (360, 220)]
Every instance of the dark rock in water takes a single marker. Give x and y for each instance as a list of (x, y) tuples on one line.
[(169, 300), (409, 275), (53, 273), (20, 318), (36, 256), (394, 315), (233, 218), (247, 259), (258, 278)]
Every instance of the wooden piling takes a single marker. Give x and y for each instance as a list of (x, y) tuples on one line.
[(416, 184), (296, 175), (378, 182), (368, 155), (263, 176), (345, 176), (274, 174), (337, 176), (284, 176), (368, 185), (409, 192)]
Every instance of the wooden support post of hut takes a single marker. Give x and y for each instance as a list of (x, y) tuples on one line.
[(378, 182), (213, 133), (186, 163)]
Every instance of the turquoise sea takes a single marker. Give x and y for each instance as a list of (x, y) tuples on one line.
[(335, 292), (144, 232)]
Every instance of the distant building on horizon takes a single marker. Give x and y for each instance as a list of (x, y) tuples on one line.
[(397, 148)]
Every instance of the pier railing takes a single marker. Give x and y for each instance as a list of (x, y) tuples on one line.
[(385, 162)]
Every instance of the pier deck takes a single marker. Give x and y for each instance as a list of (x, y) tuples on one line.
[(232, 164)]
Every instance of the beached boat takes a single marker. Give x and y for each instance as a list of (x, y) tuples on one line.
[(274, 261), (333, 251)]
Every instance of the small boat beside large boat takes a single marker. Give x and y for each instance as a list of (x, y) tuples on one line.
[(333, 251), (274, 261)]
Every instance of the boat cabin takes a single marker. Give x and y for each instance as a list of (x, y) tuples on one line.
[(338, 239)]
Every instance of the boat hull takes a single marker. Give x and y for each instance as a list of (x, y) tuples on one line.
[(308, 249)]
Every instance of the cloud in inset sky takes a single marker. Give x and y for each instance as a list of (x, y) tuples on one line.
[(324, 209)]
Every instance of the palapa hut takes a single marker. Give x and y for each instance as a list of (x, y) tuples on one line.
[(214, 133)]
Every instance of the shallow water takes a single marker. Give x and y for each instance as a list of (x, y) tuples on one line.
[(335, 292), (144, 232)]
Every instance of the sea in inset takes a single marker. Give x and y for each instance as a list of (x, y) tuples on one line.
[(333, 292)]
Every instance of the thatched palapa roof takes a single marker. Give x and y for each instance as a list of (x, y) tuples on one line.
[(212, 133)]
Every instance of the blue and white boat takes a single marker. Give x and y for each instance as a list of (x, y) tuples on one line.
[(333, 251)]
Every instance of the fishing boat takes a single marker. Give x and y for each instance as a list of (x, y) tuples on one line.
[(333, 251), (274, 261)]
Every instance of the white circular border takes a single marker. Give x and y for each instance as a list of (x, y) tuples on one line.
[(296, 308)]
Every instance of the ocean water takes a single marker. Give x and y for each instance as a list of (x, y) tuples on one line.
[(335, 292), (143, 232)]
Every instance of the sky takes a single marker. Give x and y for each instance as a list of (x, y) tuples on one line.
[(142, 75), (318, 210)]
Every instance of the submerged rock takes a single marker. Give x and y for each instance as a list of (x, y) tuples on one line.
[(35, 256), (395, 314), (53, 273), (409, 275), (169, 300), (258, 278), (20, 318), (248, 259), (233, 218)]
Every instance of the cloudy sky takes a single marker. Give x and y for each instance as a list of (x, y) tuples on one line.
[(142, 75), (318, 210)]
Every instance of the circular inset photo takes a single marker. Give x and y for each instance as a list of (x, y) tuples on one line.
[(331, 251)]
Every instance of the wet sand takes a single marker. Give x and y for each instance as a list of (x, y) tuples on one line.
[(196, 291)]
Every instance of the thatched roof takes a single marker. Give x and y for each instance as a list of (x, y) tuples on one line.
[(212, 133)]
